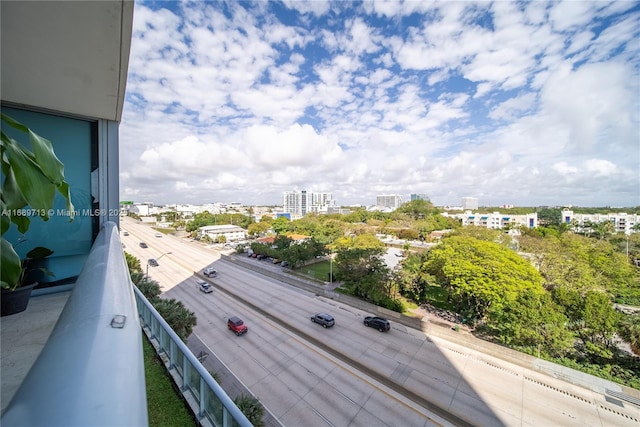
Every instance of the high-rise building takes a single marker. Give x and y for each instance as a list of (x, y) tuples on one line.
[(420, 197), (469, 203), (391, 201), (301, 202)]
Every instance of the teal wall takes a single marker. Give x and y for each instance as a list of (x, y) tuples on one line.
[(70, 241)]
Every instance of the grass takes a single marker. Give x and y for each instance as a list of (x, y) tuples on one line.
[(437, 296), (409, 304), (319, 270), (166, 407)]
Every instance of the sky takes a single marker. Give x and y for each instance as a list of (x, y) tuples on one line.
[(523, 103)]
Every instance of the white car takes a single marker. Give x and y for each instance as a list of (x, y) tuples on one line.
[(204, 286), (210, 272)]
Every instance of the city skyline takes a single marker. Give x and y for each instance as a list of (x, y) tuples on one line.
[(500, 101)]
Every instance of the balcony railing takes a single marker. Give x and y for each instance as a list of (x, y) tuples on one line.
[(91, 369), (209, 402)]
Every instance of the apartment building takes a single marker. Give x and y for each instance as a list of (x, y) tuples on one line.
[(232, 233), (496, 220), (469, 203), (622, 222), (302, 202), (390, 201)]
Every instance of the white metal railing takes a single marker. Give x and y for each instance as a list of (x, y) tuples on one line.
[(194, 381), (91, 370)]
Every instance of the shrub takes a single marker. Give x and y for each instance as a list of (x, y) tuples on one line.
[(251, 408)]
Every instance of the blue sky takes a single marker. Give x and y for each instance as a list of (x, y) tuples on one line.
[(527, 103)]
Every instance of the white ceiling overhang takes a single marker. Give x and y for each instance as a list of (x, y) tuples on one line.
[(66, 56)]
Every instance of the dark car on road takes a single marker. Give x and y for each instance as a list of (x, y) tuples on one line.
[(152, 262), (237, 326), (378, 323), (324, 319), (143, 245)]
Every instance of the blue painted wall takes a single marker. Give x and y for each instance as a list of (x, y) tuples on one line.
[(70, 241)]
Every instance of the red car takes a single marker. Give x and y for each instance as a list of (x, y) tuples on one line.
[(236, 325)]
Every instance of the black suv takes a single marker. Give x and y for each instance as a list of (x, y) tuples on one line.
[(323, 319), (377, 323)]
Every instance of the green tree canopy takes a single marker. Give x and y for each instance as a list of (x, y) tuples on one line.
[(258, 228), (360, 241), (417, 209), (363, 272), (281, 225), (479, 275), (533, 321)]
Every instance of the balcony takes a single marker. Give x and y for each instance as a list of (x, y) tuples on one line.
[(74, 357)]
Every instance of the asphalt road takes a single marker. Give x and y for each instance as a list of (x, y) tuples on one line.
[(303, 382)]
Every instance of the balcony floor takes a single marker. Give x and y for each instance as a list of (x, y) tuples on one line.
[(23, 336)]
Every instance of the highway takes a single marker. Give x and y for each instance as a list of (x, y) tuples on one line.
[(350, 375)]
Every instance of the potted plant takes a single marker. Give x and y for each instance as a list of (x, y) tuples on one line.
[(30, 181)]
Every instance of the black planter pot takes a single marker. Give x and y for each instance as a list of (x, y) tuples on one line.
[(16, 301)]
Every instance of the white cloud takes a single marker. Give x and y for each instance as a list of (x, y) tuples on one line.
[(600, 167), (564, 169), (513, 107), (512, 103)]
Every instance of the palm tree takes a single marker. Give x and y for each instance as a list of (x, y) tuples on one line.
[(630, 331), (177, 316), (149, 287)]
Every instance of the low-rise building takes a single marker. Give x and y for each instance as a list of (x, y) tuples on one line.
[(622, 222), (496, 220), (232, 233)]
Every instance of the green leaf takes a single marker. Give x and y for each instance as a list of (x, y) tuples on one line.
[(10, 267), (11, 193), (32, 177), (45, 157), (35, 187), (39, 252)]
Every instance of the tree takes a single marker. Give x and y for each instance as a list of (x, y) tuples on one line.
[(592, 317), (408, 234), (478, 274), (258, 228), (298, 253), (180, 224), (600, 319), (133, 263), (181, 320), (533, 321), (413, 281), (251, 408), (360, 241), (551, 217), (630, 331), (417, 209), (363, 273), (281, 225), (147, 286), (282, 242)]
